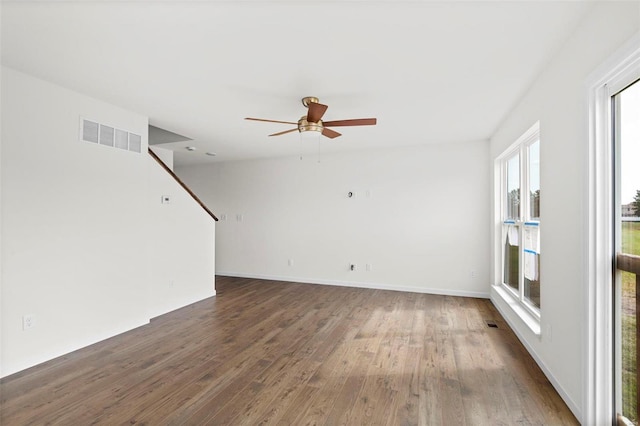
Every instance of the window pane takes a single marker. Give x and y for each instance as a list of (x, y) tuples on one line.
[(534, 180), (513, 188), (629, 234), (628, 345), (532, 265), (511, 255)]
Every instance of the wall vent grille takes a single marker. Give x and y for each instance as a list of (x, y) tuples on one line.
[(135, 142), (122, 139), (106, 135), (94, 132), (89, 131)]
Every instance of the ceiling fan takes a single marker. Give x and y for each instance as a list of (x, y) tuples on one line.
[(312, 121)]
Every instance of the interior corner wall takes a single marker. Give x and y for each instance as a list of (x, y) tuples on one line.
[(88, 250), (559, 100), (418, 217)]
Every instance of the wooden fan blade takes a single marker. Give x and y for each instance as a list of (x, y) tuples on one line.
[(316, 111), (269, 121), (354, 122), (330, 133), (286, 131)]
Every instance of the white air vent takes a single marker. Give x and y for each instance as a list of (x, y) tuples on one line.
[(91, 131), (106, 135), (122, 139), (135, 142)]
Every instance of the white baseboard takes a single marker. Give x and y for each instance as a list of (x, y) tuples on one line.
[(43, 357), (12, 369), (547, 372), (373, 286)]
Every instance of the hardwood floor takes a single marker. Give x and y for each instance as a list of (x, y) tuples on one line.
[(281, 353)]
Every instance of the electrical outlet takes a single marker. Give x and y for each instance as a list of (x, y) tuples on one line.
[(223, 217), (473, 274), (290, 262), (28, 321), (166, 199), (368, 267), (239, 217)]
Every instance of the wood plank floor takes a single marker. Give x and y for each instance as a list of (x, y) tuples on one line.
[(265, 352)]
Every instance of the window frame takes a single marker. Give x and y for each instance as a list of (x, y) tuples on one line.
[(613, 74), (521, 148)]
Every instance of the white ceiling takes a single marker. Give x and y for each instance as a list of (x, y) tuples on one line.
[(429, 71)]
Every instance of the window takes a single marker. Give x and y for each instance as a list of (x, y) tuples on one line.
[(603, 349), (519, 251)]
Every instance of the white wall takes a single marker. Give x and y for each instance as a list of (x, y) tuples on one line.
[(559, 100), (423, 227), (181, 245), (76, 227), (1, 338), (166, 155)]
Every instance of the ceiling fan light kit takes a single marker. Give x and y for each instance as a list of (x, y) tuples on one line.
[(312, 122)]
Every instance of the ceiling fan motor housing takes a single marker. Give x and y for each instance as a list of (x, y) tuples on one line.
[(307, 126)]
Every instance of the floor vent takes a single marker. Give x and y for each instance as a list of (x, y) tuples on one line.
[(492, 324), (101, 134)]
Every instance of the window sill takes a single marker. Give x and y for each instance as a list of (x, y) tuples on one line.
[(529, 319)]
